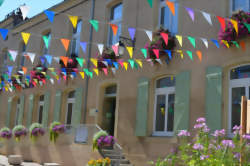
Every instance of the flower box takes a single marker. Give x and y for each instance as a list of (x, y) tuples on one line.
[(109, 56), (19, 132)]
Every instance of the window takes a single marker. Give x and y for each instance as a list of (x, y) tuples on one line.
[(76, 37), (239, 85), (115, 18), (18, 107), (110, 91), (240, 5), (167, 20), (40, 109), (70, 104), (164, 107)]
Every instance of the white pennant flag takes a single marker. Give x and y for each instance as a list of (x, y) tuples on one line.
[(150, 34), (113, 70), (52, 81), (25, 10), (57, 59), (159, 61), (105, 63), (207, 17), (31, 56), (100, 48), (21, 72), (205, 42), (13, 54)]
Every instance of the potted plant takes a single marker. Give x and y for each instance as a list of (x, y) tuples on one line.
[(100, 162), (5, 133), (56, 128), (19, 131), (36, 130), (109, 56), (102, 139)]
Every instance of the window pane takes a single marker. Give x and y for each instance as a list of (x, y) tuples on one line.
[(162, 16), (116, 12), (17, 115), (110, 90), (71, 94), (236, 105), (160, 113), (170, 125), (42, 98), (69, 113), (239, 5), (240, 72), (165, 82), (40, 118)]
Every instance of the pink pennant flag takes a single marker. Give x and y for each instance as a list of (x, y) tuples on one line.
[(105, 71), (165, 37), (121, 63), (115, 49), (65, 77), (156, 52), (190, 12)]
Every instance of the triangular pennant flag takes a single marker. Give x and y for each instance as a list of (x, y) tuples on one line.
[(73, 20), (50, 15), (100, 48), (139, 62), (94, 61), (31, 56), (52, 81), (235, 24), (132, 63), (82, 74), (179, 38), (125, 64), (130, 51), (181, 53), (190, 12), (216, 43), (105, 71), (114, 28), (65, 60), (120, 61), (57, 59), (95, 24), (113, 70), (25, 10), (222, 22), (205, 42), (51, 69), (116, 65), (190, 54), (159, 61), (42, 59), (165, 38), (13, 54), (65, 43), (199, 54), (83, 46), (243, 45), (80, 61), (115, 49), (236, 44), (4, 33), (248, 26), (10, 68), (171, 6), (96, 71), (48, 58), (25, 37), (225, 42), (24, 70), (169, 53), (150, 2), (144, 51), (207, 17), (105, 63), (46, 40), (192, 40), (157, 53), (132, 32), (149, 34)]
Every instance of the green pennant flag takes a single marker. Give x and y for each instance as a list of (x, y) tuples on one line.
[(10, 57), (5, 76), (236, 44), (80, 61), (136, 66), (144, 51), (190, 55), (132, 63), (248, 26), (95, 24), (150, 2), (46, 40), (91, 75), (48, 77), (54, 73), (192, 40)]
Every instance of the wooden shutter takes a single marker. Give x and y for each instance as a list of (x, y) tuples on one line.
[(30, 111), (46, 108), (57, 106), (213, 97), (21, 111), (142, 107), (182, 96), (7, 122), (77, 107)]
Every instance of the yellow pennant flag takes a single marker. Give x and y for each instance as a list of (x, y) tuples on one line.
[(96, 71), (181, 53), (43, 73), (179, 38), (25, 37), (235, 24), (52, 69), (125, 65), (6, 88), (225, 42), (94, 61), (57, 77), (82, 74), (130, 51), (139, 62), (36, 81), (73, 20)]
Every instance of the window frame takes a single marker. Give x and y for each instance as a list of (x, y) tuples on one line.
[(247, 5), (70, 101), (162, 91), (40, 103), (77, 37)]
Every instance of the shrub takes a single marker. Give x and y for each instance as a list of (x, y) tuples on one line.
[(5, 133), (56, 128), (36, 130)]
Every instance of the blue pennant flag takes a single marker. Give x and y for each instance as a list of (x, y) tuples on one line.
[(169, 54), (74, 74), (48, 58), (216, 43), (108, 61), (84, 46), (116, 65), (4, 33), (50, 15)]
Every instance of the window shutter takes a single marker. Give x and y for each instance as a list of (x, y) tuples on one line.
[(182, 93), (21, 112), (213, 97), (31, 105), (57, 107), (46, 109), (7, 122), (77, 108), (142, 107)]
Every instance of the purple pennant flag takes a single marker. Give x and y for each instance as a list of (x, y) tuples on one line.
[(131, 33), (42, 59), (10, 70), (84, 46), (190, 12)]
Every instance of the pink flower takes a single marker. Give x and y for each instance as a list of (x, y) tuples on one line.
[(201, 120), (184, 133)]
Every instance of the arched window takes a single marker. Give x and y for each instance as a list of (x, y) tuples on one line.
[(115, 18), (40, 109), (164, 107), (76, 37), (239, 85), (18, 108), (69, 109)]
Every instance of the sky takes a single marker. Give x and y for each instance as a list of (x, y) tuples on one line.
[(36, 6)]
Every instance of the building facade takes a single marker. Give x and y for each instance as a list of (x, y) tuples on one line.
[(142, 108)]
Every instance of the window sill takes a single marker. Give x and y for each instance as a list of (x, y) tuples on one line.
[(162, 135)]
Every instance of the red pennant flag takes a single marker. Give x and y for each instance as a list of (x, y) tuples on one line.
[(165, 37), (243, 45), (65, 60), (199, 54), (222, 22), (114, 28), (156, 52)]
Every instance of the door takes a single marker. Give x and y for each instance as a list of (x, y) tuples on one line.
[(109, 114)]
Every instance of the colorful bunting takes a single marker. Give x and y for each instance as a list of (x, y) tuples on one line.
[(181, 53), (31, 56), (216, 43), (205, 42), (65, 43), (113, 70), (222, 22), (236, 44), (116, 65), (169, 53), (10, 68), (125, 64), (105, 70), (199, 54), (139, 62), (157, 53), (190, 12), (80, 61), (24, 70), (95, 24), (171, 6), (115, 49), (190, 54), (4, 33), (73, 20), (192, 40), (100, 48), (243, 45), (235, 24), (165, 37), (46, 40), (83, 46), (13, 54), (114, 28), (96, 71), (207, 17), (94, 61), (248, 26), (179, 38), (132, 32), (56, 59), (25, 37), (225, 43), (25, 10), (64, 60), (48, 58), (50, 15), (132, 63), (144, 51), (150, 2), (149, 34), (159, 61), (130, 51), (82, 74)]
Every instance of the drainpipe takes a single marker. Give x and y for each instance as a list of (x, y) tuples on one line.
[(88, 63)]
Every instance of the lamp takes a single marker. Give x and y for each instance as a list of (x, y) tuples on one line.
[(124, 41)]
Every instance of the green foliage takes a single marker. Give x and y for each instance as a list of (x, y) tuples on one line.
[(54, 134), (33, 127), (4, 129), (96, 137), (19, 131)]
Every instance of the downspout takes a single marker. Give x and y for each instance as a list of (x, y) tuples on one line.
[(88, 63)]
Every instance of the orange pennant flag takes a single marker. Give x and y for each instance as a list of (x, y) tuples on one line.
[(24, 70), (222, 22), (243, 45), (171, 6), (65, 60), (199, 54), (114, 28), (65, 43)]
